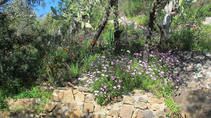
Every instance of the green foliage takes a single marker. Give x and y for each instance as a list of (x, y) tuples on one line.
[(34, 92), (88, 61), (205, 11), (135, 7), (54, 66), (140, 20), (108, 88), (74, 70), (190, 39), (104, 90), (3, 103), (170, 103), (19, 64), (204, 40), (183, 39)]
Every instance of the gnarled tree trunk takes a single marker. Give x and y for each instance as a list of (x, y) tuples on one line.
[(156, 6), (170, 11), (117, 31), (103, 23)]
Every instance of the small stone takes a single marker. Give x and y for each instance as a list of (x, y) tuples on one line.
[(68, 96), (138, 114), (109, 117), (126, 111), (208, 54), (208, 74), (97, 108), (108, 107), (4, 114), (128, 100), (75, 91), (148, 114), (88, 107), (141, 105), (89, 97), (77, 105), (79, 97), (156, 107), (190, 67), (77, 113), (21, 103), (139, 98), (58, 95), (100, 114), (156, 100), (50, 107), (113, 113)]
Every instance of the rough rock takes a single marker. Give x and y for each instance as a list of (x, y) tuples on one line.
[(50, 106), (79, 97), (128, 100), (138, 114), (88, 107), (126, 111), (148, 114), (141, 105), (21, 103)]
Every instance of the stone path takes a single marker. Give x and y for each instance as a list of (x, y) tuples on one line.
[(194, 95)]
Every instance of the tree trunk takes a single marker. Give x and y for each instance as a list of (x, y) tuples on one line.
[(103, 23), (170, 10), (156, 6), (117, 31), (152, 18)]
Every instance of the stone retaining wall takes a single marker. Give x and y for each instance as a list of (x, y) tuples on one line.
[(76, 104)]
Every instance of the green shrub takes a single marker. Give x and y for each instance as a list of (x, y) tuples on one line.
[(205, 39), (170, 103), (140, 20), (34, 92), (3, 104), (74, 70), (135, 7), (88, 61), (19, 65), (183, 39), (54, 67)]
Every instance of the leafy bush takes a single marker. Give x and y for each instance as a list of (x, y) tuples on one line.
[(54, 67), (183, 39), (135, 7), (170, 103), (140, 20), (205, 39), (34, 92), (19, 64), (3, 103), (74, 70), (88, 61)]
